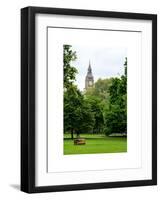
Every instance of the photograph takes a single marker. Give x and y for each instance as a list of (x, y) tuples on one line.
[(88, 99), (95, 99)]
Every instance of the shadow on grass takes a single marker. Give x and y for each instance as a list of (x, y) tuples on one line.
[(94, 138)]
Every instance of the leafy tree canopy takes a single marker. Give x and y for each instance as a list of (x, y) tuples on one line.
[(69, 70)]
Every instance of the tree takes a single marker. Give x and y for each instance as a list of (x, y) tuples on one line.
[(98, 97), (78, 117), (116, 115), (84, 118), (69, 70), (115, 120), (100, 89), (72, 100), (103, 107), (97, 110), (70, 92)]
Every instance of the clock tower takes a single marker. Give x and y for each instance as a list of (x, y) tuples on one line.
[(89, 80)]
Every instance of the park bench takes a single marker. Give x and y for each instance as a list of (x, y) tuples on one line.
[(79, 141)]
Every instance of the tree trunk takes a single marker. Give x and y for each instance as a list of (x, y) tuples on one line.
[(72, 131), (77, 134)]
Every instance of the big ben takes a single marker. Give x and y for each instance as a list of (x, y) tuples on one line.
[(89, 80)]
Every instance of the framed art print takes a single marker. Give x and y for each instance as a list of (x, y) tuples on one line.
[(88, 99)]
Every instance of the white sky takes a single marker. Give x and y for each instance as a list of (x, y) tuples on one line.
[(105, 62)]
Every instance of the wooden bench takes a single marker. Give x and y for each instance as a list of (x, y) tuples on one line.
[(79, 141)]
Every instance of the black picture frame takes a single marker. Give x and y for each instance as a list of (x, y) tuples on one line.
[(28, 98)]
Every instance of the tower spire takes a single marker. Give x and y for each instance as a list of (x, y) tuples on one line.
[(89, 80), (89, 68)]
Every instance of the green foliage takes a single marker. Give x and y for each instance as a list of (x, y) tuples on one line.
[(96, 109), (102, 108), (69, 70), (115, 120), (85, 118), (78, 116), (116, 115), (72, 103), (100, 89), (109, 99)]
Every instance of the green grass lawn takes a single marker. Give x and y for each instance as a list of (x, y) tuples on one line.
[(95, 144)]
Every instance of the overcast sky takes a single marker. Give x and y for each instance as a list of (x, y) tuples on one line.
[(105, 62)]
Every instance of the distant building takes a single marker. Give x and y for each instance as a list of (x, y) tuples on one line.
[(89, 80)]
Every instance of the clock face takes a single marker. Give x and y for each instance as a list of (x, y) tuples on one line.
[(90, 83)]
